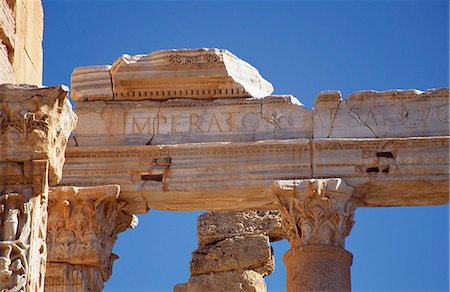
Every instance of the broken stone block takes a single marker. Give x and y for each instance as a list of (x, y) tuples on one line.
[(236, 253), (248, 281), (216, 226)]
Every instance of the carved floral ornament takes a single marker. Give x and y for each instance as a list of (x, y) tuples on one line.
[(83, 226), (24, 123), (206, 58), (315, 211)]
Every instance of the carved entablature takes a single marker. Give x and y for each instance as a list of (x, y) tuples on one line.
[(83, 226), (35, 124), (315, 211)]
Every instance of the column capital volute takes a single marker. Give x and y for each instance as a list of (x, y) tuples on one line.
[(315, 211)]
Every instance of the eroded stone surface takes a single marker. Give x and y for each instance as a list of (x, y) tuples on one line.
[(185, 73), (373, 114), (235, 253), (315, 211), (191, 121), (82, 228), (248, 281), (213, 227), (35, 123)]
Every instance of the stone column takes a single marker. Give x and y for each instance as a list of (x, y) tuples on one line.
[(234, 252), (317, 215), (83, 225), (35, 124)]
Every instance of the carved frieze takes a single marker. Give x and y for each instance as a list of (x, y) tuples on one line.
[(315, 211), (83, 227)]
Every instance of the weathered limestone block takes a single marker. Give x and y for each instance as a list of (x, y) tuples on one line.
[(372, 114), (236, 253), (248, 281), (318, 216), (179, 121), (215, 176), (91, 83), (213, 227), (35, 124), (386, 171), (82, 228), (186, 73), (28, 56)]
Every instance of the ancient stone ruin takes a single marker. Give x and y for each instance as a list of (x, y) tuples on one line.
[(198, 129)]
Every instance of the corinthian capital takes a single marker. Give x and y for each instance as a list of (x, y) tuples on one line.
[(315, 211), (83, 224), (35, 124)]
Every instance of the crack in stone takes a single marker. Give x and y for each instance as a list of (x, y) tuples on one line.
[(149, 142), (359, 118), (334, 117), (270, 121)]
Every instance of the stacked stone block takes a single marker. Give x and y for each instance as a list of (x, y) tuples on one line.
[(234, 252)]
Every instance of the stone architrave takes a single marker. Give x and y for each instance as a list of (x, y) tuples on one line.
[(83, 224), (234, 252), (35, 124), (317, 216)]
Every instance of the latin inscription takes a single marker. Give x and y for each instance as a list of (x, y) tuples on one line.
[(406, 115), (217, 122)]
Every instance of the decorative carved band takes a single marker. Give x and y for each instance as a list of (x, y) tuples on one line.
[(179, 59), (24, 124), (316, 211)]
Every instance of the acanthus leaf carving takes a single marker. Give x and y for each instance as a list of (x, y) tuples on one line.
[(316, 211)]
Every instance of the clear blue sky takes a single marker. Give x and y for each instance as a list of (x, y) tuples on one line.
[(301, 48)]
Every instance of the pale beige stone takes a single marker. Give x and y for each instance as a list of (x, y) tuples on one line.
[(315, 211), (27, 60), (235, 253), (34, 127), (189, 121), (83, 224), (7, 28), (185, 73), (6, 72), (213, 227), (238, 176), (35, 123), (248, 281), (373, 114), (317, 214), (91, 83), (318, 268)]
